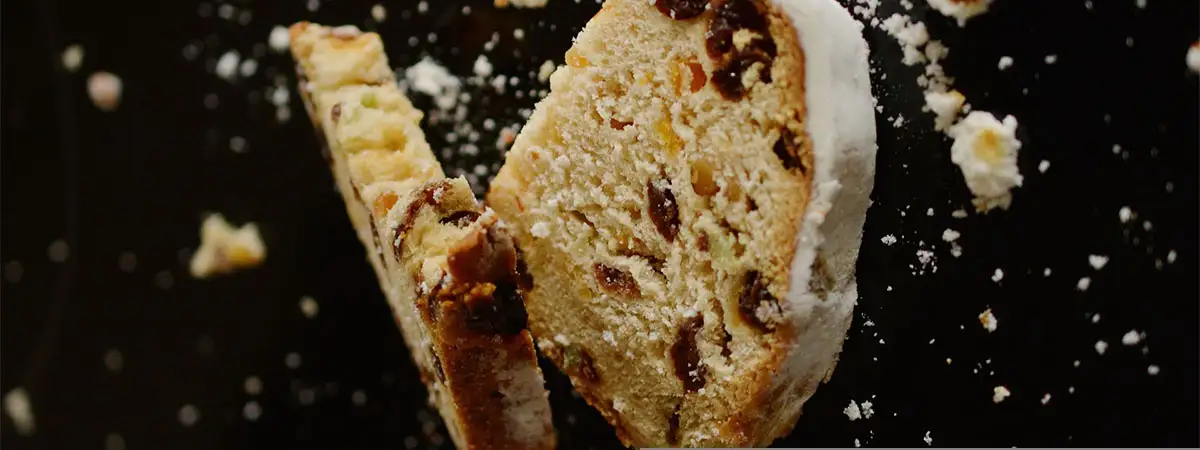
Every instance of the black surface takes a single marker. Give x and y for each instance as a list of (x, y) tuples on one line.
[(141, 178)]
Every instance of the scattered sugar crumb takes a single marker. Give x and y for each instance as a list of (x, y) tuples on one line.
[(1171, 256), (224, 248), (114, 360), (959, 214), (432, 79), (1101, 346), (379, 13), (252, 411), (188, 415), (1152, 369), (58, 251), (18, 408), (949, 235), (279, 39), (72, 57), (888, 239), (105, 90), (253, 385), (482, 67), (1046, 398), (1125, 214), (852, 411), (1097, 261), (928, 440), (1096, 318), (988, 320), (960, 10), (1131, 338), (868, 409), (359, 398), (1005, 62), (986, 150), (227, 65), (1083, 284), (911, 36), (1043, 166), (998, 275), (999, 393), (546, 70), (292, 360), (1051, 59), (1193, 57), (309, 307), (945, 106)]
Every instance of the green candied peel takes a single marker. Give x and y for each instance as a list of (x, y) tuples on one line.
[(572, 357), (369, 100)]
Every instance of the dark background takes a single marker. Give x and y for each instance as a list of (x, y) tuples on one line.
[(140, 180)]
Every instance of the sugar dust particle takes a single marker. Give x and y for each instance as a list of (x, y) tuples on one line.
[(309, 307), (19, 409), (105, 90), (1131, 338), (1046, 398), (127, 262), (13, 271), (114, 361), (1125, 214), (998, 275), (1043, 166), (379, 13), (999, 393), (1193, 57), (988, 320), (279, 39), (252, 411), (1005, 62), (888, 239), (852, 412), (114, 441), (292, 360), (227, 65), (1051, 59), (950, 235), (72, 57), (1152, 369), (359, 398), (188, 415), (58, 251), (1101, 346), (1083, 284), (1097, 261), (253, 385)]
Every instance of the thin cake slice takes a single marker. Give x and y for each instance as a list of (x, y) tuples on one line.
[(690, 199), (448, 267)]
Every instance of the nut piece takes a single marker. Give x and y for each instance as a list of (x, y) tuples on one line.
[(702, 179), (663, 209), (757, 306), (686, 355), (616, 280)]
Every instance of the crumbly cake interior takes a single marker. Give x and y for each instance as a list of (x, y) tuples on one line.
[(656, 194), (448, 266)]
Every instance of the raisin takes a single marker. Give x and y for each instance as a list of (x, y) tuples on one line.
[(686, 355), (502, 312), (673, 427), (617, 124), (699, 78), (483, 256), (437, 366), (702, 242), (616, 280), (460, 219), (788, 151), (732, 62), (728, 77), (681, 9), (663, 209), (755, 296), (336, 112)]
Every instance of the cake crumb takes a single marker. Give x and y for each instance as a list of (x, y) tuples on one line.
[(1005, 62), (224, 249), (1125, 214), (1097, 261), (1152, 369), (960, 10), (105, 90), (986, 150), (998, 275), (928, 440), (546, 70), (999, 393), (1101, 346), (1046, 398), (852, 411), (888, 240), (1043, 166), (1083, 284), (945, 106), (988, 320), (867, 409), (18, 408), (950, 235), (379, 13)]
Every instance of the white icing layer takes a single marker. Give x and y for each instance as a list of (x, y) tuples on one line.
[(841, 124)]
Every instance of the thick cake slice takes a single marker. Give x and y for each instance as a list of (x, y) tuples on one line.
[(448, 267), (690, 199)]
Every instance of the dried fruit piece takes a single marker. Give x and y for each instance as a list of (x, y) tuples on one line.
[(663, 209), (616, 280), (728, 78), (667, 136), (574, 59), (617, 124), (673, 427), (429, 195), (384, 203), (496, 309), (788, 150), (482, 256), (460, 219), (686, 355), (699, 79), (737, 39), (757, 306), (681, 9), (702, 179)]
